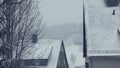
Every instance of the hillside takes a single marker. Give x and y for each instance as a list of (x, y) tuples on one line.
[(70, 32)]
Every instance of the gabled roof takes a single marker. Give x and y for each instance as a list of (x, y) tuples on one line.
[(101, 29), (46, 50)]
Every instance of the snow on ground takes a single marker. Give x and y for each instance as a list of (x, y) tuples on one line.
[(75, 56), (102, 35)]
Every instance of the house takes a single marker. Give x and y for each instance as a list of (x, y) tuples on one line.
[(75, 56), (101, 34), (46, 53)]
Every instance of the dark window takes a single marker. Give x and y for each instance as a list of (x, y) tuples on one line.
[(86, 65), (111, 3)]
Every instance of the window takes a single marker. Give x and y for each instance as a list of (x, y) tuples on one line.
[(111, 3), (86, 65)]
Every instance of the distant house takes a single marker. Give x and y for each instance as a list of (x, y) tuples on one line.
[(101, 38), (46, 54)]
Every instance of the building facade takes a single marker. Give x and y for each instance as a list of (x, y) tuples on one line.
[(101, 33)]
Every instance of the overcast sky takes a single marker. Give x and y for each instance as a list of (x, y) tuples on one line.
[(62, 11)]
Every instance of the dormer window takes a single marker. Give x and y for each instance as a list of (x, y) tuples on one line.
[(111, 3)]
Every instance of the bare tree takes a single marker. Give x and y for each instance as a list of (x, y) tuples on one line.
[(18, 21)]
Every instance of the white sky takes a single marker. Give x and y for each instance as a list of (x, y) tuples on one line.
[(62, 11)]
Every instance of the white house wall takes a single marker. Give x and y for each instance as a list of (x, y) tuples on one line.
[(104, 62)]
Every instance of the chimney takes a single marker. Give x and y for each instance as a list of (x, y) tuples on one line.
[(34, 38)]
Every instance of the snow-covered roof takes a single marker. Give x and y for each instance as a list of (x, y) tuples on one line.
[(52, 63), (40, 50), (75, 56), (101, 29), (46, 49)]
